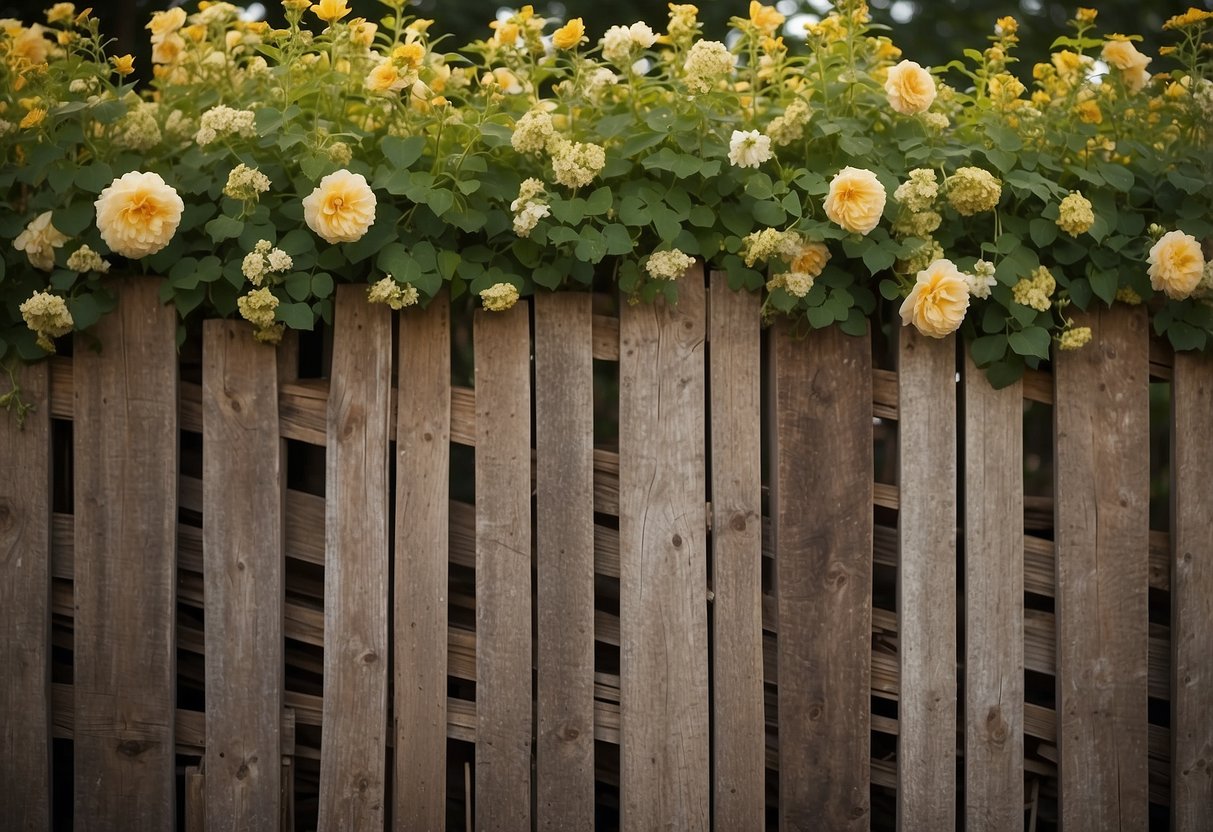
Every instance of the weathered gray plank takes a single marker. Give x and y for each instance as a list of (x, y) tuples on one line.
[(125, 460), (994, 683), (822, 512), (25, 620), (739, 729), (564, 481), (243, 566), (663, 563), (1192, 593), (423, 452), (926, 581), (354, 742), (1101, 413), (503, 569), (195, 800)]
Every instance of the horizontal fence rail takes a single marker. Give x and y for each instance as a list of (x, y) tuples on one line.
[(802, 588)]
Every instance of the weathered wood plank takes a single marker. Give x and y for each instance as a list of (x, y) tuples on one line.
[(503, 569), (25, 602), (1101, 414), (994, 682), (1192, 593), (195, 800), (738, 720), (663, 563), (564, 481), (822, 508), (243, 573), (354, 741), (125, 460), (423, 453), (926, 581)]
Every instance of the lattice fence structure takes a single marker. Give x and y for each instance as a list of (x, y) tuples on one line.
[(653, 568)]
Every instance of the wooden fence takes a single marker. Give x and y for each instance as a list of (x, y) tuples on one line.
[(802, 590)]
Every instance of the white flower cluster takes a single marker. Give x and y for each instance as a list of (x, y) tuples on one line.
[(668, 265), (707, 63), (84, 259), (919, 192), (224, 121), (138, 130), (245, 183), (620, 43), (789, 127), (263, 261), (388, 291), (575, 164), (533, 132), (982, 280), (528, 208)]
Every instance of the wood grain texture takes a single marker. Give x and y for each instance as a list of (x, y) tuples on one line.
[(1101, 417), (564, 482), (354, 741), (243, 574), (25, 609), (1192, 593), (926, 581), (503, 569), (994, 681), (423, 454), (822, 511), (125, 460), (738, 718), (195, 800), (664, 776)]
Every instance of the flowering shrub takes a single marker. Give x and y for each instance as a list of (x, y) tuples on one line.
[(263, 166)]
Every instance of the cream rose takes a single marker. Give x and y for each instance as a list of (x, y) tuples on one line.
[(342, 207), (39, 241), (938, 302), (1176, 264), (911, 88), (856, 200), (138, 214), (1123, 55)]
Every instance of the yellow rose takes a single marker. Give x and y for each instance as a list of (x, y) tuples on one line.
[(1123, 55), (138, 214), (938, 302), (385, 78), (165, 23), (856, 200), (569, 35), (342, 207), (765, 18), (911, 88), (123, 64), (1176, 264), (330, 11), (811, 259)]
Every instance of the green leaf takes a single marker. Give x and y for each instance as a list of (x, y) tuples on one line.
[(440, 200), (1104, 284), (988, 349), (296, 315), (769, 212), (878, 258), (1033, 340), (224, 227), (1118, 176), (94, 178), (618, 239), (1004, 373), (1043, 231), (298, 285), (598, 202), (1185, 336), (402, 152), (322, 285), (889, 290)]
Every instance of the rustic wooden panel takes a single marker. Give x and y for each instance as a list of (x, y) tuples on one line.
[(926, 581), (822, 508), (994, 682), (125, 460), (503, 569), (243, 573), (1102, 419), (564, 481), (1192, 593), (739, 730), (195, 800), (354, 742), (663, 563), (25, 620), (423, 453)]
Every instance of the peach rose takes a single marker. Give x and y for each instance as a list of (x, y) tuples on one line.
[(342, 207), (911, 88), (1123, 55), (938, 302), (138, 214), (1176, 264), (856, 200)]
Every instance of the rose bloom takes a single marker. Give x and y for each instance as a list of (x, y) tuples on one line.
[(569, 35), (138, 214), (749, 149), (342, 207), (911, 88), (1123, 55), (39, 241), (856, 200), (1176, 264), (938, 302), (811, 259)]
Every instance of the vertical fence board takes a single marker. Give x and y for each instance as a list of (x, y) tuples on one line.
[(926, 582), (353, 743), (125, 459), (564, 451), (195, 800), (423, 459), (994, 682), (1192, 593), (503, 569), (1102, 420), (822, 509), (739, 722), (664, 759), (243, 567), (25, 610)]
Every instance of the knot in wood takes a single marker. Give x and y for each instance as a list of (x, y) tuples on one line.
[(996, 726), (7, 518), (133, 748), (677, 541), (815, 712), (737, 522), (242, 772), (570, 733), (369, 657)]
